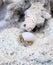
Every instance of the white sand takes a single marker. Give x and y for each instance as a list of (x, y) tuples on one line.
[(14, 53), (40, 53)]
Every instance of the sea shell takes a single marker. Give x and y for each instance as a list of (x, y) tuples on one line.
[(35, 16), (40, 20), (27, 38), (32, 18)]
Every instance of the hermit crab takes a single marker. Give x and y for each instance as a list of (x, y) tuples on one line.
[(26, 38)]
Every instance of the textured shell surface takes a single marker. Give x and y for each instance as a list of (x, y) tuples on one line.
[(29, 24), (28, 36), (40, 20), (33, 17)]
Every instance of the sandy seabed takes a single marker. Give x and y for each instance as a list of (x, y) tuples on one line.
[(14, 53)]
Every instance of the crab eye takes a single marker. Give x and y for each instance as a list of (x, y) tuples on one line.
[(24, 25)]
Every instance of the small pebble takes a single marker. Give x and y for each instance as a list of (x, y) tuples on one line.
[(27, 38)]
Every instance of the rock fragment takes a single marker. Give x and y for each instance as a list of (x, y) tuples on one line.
[(34, 16), (27, 38)]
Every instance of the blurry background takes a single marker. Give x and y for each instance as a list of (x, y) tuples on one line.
[(47, 3)]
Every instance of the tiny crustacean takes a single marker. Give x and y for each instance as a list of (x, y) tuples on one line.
[(27, 38)]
